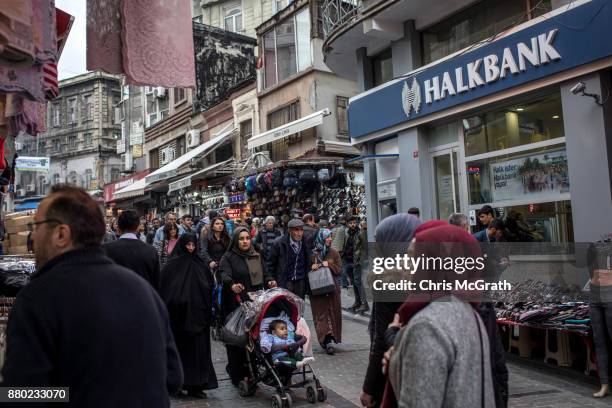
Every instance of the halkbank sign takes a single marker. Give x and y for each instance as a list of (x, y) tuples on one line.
[(568, 40)]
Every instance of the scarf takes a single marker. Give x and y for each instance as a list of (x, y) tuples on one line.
[(251, 257), (322, 249)]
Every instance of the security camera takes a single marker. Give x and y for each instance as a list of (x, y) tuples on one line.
[(578, 88)]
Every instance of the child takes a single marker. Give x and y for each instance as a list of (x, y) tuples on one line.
[(284, 345)]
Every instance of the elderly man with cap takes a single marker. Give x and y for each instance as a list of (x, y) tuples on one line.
[(291, 259)]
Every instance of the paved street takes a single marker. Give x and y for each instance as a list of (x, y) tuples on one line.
[(343, 374)]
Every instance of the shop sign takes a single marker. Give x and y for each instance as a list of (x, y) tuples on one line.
[(237, 198), (540, 175), (161, 176), (537, 51), (40, 164), (232, 212), (123, 184), (180, 184)]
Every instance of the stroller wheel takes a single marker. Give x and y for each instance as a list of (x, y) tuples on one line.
[(277, 402), (311, 394), (321, 394), (287, 401)]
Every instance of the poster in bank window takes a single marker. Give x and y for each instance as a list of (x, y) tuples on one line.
[(539, 175)]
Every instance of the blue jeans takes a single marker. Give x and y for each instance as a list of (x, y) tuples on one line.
[(353, 273)]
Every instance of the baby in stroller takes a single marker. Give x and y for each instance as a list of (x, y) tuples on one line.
[(284, 345)]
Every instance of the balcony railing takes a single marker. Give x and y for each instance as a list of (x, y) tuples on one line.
[(335, 13)]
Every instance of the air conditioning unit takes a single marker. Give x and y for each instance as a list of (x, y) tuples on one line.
[(193, 138), (20, 192), (30, 188), (167, 155), (45, 180), (159, 92), (18, 146), (149, 89)]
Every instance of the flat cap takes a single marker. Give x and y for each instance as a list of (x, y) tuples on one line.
[(295, 223)]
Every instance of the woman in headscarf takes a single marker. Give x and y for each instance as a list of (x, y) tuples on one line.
[(187, 291), (441, 355), (167, 244), (399, 230), (242, 270), (326, 308)]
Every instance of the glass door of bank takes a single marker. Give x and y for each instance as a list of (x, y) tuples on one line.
[(446, 182)]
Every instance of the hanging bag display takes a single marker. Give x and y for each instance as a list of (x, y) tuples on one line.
[(321, 281), (308, 176)]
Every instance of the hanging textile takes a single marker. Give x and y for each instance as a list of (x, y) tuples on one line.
[(16, 39), (150, 41)]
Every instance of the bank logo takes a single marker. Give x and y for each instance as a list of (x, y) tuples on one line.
[(411, 97)]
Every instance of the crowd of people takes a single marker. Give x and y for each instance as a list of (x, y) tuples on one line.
[(118, 339)]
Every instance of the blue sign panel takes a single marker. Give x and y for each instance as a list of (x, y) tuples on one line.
[(568, 40)]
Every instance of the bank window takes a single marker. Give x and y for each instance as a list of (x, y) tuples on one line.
[(382, 66), (283, 56), (478, 23), (233, 19)]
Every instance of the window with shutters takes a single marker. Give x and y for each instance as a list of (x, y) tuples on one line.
[(154, 159), (87, 107), (56, 113), (279, 149), (72, 142), (87, 139), (72, 110), (246, 131), (341, 114)]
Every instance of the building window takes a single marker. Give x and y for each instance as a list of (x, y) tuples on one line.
[(283, 58), (72, 142), (115, 174), (56, 112), (88, 139), (341, 114), (278, 149), (516, 161), (233, 19), (382, 65), (154, 159), (87, 107), (246, 131), (278, 5), (479, 22), (179, 96), (72, 110), (88, 178), (57, 145), (116, 134)]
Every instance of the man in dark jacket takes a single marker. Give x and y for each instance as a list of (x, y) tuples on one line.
[(264, 240), (132, 253), (291, 259), (86, 323), (351, 263), (310, 230)]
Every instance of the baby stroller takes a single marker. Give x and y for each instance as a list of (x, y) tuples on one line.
[(267, 306)]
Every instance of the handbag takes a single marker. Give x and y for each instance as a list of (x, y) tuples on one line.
[(321, 281)]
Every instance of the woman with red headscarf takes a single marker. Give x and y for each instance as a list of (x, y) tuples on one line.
[(441, 356)]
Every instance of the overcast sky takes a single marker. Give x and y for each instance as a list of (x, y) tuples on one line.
[(72, 61)]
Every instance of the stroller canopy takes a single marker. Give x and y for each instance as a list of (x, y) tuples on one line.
[(269, 303)]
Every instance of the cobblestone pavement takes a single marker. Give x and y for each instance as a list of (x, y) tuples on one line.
[(342, 375)]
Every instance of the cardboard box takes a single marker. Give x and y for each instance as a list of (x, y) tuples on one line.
[(18, 221), (17, 250), (18, 239)]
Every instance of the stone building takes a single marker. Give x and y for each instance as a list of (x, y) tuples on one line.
[(80, 139)]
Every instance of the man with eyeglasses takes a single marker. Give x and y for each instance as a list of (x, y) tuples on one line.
[(84, 322)]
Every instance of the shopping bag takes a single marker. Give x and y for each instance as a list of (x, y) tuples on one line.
[(321, 281), (234, 330)]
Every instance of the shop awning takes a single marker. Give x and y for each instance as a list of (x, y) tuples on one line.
[(373, 157), (28, 205), (135, 189), (288, 129), (333, 146), (170, 169), (186, 181)]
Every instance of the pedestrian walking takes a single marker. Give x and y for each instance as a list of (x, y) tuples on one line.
[(441, 355), (166, 245), (84, 322), (187, 223), (414, 211), (459, 220), (159, 234), (151, 233), (393, 230), (327, 308), (187, 291), (130, 252), (351, 264), (310, 230), (291, 259), (338, 238), (214, 244), (242, 270), (264, 240)]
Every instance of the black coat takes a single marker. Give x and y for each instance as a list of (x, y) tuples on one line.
[(279, 259), (86, 323), (137, 256), (498, 354)]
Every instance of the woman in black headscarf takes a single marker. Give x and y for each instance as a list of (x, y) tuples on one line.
[(187, 291), (242, 270), (396, 229)]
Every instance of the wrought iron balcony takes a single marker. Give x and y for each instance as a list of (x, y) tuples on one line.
[(336, 13)]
